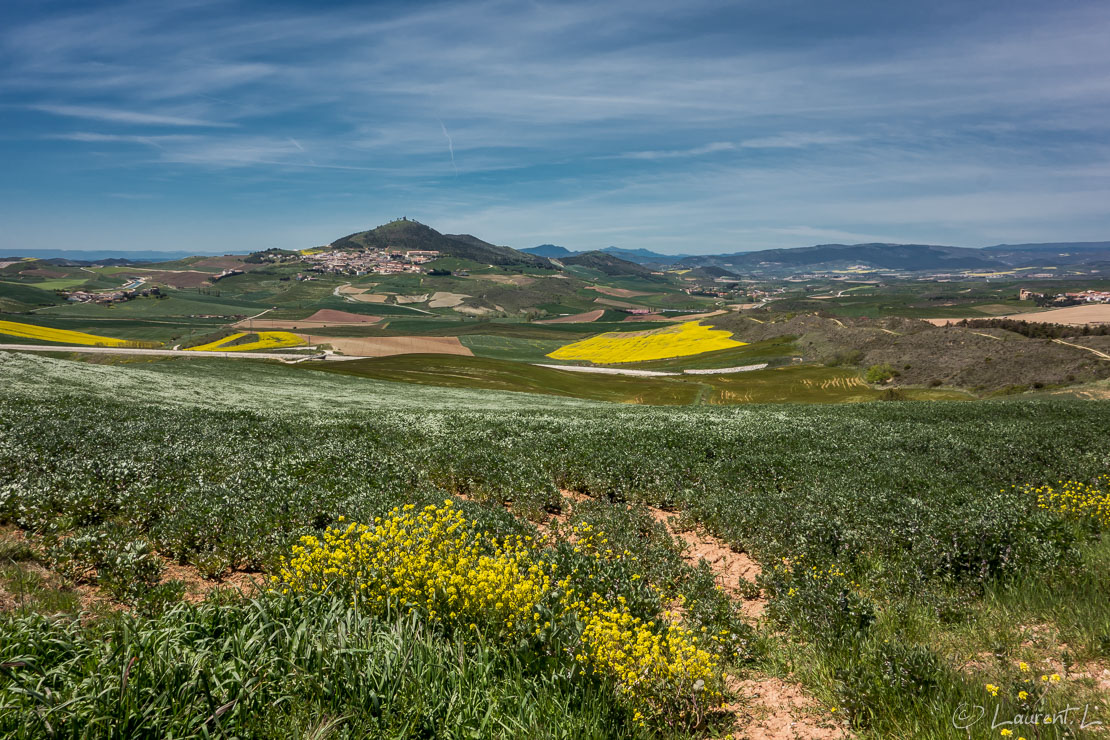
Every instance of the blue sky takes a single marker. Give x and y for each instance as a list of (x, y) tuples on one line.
[(692, 127)]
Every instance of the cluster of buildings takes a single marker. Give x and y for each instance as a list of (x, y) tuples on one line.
[(112, 296), (376, 262), (1083, 296)]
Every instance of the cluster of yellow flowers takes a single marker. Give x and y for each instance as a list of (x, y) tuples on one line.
[(266, 340), (435, 561), (439, 563), (1084, 500), (790, 565), (1029, 697), (656, 670), (689, 338)]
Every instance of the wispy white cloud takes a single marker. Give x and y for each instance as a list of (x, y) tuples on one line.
[(718, 146), (115, 115), (628, 119), (797, 141)]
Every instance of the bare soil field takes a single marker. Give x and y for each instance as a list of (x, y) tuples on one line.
[(177, 278), (443, 299), (322, 318), (385, 346), (332, 316), (228, 263), (615, 304), (618, 292), (518, 280), (676, 319), (1095, 313), (360, 295), (577, 318), (695, 316)]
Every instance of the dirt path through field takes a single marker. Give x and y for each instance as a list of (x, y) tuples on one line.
[(1092, 350), (770, 708), (728, 565)]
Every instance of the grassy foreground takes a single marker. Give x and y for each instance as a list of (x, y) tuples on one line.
[(906, 567)]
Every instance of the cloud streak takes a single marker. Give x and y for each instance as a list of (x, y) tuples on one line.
[(728, 125), (450, 147), (124, 116)]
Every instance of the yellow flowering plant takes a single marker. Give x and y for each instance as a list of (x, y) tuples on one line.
[(1076, 499), (440, 564)]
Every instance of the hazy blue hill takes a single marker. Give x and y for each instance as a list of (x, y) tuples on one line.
[(645, 256), (885, 256), (97, 256), (550, 251), (1052, 253), (610, 265)]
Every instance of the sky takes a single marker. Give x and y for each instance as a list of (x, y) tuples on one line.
[(682, 127)]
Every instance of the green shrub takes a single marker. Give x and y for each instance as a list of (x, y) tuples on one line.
[(879, 373)]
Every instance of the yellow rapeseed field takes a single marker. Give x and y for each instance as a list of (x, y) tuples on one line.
[(266, 340), (689, 338), (65, 336)]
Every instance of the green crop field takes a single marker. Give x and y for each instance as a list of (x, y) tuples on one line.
[(906, 562)]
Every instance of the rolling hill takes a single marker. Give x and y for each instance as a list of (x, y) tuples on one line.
[(610, 265), (639, 256), (406, 234)]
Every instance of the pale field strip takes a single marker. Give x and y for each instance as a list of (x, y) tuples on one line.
[(618, 292), (607, 370), (387, 346), (285, 357), (576, 318), (651, 373), (444, 299), (1095, 313), (727, 370), (210, 382)]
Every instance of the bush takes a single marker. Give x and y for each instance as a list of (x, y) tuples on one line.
[(879, 373)]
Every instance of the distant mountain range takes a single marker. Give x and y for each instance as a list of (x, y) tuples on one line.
[(639, 256), (904, 257), (99, 256)]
